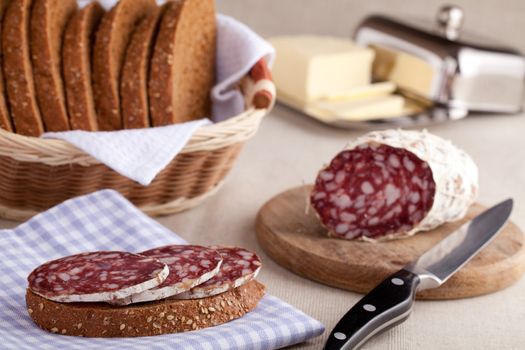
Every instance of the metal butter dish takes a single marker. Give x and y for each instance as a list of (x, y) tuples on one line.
[(453, 72), (442, 73)]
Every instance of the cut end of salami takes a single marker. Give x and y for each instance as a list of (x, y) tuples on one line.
[(393, 183), (189, 265), (238, 267), (97, 276), (373, 190)]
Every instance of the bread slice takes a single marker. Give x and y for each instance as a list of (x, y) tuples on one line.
[(134, 81), (5, 117), (183, 63), (111, 41), (145, 319), (18, 71), (76, 58), (48, 22)]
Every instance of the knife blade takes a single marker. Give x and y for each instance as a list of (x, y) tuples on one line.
[(390, 303)]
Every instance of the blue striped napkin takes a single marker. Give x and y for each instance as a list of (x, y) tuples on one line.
[(105, 220)]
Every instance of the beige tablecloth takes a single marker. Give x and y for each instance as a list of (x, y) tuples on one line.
[(289, 149)]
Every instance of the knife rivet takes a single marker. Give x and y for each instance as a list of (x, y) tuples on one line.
[(398, 281), (339, 335), (369, 307)]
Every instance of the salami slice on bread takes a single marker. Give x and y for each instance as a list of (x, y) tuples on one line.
[(120, 294), (97, 276), (238, 267), (189, 265), (392, 184)]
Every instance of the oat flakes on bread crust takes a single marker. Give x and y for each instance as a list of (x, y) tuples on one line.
[(145, 319), (5, 117), (183, 63), (111, 40), (134, 80), (48, 23), (76, 56), (18, 71)]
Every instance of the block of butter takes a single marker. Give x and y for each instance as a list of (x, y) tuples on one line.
[(409, 72), (309, 67), (361, 109), (374, 102)]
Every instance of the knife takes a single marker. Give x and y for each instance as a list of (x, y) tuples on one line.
[(390, 303)]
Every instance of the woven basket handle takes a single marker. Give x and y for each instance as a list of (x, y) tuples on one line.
[(258, 87)]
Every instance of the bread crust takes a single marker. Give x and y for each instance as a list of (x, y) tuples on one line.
[(144, 319), (112, 38), (47, 26), (18, 70), (5, 117), (135, 73), (76, 58), (183, 63)]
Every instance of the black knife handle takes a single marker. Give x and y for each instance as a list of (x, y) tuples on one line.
[(385, 306)]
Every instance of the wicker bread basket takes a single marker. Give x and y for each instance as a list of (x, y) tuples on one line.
[(36, 174)]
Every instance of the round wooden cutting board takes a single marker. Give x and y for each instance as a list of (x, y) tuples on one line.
[(296, 240)]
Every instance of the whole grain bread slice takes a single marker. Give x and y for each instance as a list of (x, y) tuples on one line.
[(134, 80), (76, 58), (112, 38), (18, 71), (144, 319), (5, 117), (48, 23), (183, 63)]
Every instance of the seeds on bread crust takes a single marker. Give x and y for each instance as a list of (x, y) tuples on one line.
[(47, 26), (5, 117), (76, 52), (183, 63), (144, 319), (111, 40), (135, 73), (18, 71)]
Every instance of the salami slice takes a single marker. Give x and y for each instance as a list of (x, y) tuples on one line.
[(392, 184), (96, 276), (189, 265), (238, 267)]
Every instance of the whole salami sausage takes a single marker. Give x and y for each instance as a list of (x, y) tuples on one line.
[(96, 276), (190, 265), (392, 184), (238, 267)]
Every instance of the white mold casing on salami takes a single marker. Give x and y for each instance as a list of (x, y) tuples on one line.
[(96, 276), (239, 266), (190, 266), (454, 173)]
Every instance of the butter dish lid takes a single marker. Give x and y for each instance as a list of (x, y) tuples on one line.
[(435, 61)]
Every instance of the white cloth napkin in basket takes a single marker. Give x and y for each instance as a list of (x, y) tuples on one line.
[(105, 220), (142, 153)]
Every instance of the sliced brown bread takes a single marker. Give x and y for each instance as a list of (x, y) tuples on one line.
[(144, 319), (112, 38), (76, 58), (134, 80), (48, 23), (183, 63), (18, 71), (5, 117)]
